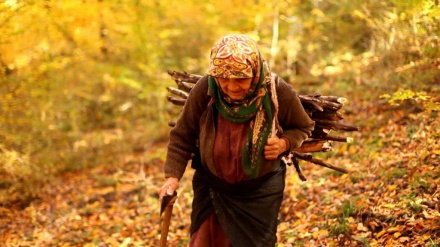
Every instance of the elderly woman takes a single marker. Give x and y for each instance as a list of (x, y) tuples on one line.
[(238, 120)]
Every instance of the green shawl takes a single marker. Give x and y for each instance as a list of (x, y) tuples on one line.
[(256, 109)]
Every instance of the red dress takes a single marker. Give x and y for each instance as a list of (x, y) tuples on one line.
[(228, 145)]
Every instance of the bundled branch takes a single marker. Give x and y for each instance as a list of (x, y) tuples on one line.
[(324, 110)]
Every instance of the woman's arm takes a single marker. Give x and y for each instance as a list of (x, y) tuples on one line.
[(297, 125), (184, 135)]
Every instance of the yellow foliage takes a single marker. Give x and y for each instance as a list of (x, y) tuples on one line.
[(427, 101), (15, 163)]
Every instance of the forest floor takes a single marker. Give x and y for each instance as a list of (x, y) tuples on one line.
[(391, 197)]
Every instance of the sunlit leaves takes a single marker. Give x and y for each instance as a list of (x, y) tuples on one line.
[(426, 100)]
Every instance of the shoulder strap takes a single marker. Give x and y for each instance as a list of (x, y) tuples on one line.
[(276, 128)]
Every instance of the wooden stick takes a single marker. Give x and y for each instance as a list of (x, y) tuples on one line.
[(166, 220), (335, 138), (184, 76), (320, 162), (315, 105), (335, 125), (335, 99), (178, 92), (298, 168), (184, 86), (315, 146), (325, 104), (176, 101), (327, 115)]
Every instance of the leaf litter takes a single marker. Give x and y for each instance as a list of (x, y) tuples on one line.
[(391, 197)]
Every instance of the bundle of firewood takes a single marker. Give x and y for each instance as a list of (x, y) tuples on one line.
[(324, 110)]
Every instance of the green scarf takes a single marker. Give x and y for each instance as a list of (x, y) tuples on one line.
[(256, 108)]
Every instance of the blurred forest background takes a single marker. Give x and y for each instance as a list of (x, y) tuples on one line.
[(83, 82)]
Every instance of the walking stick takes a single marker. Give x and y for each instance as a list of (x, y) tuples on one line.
[(167, 207)]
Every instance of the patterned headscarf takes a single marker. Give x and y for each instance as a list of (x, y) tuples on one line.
[(237, 56)]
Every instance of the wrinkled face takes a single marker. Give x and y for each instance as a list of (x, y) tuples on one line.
[(235, 88)]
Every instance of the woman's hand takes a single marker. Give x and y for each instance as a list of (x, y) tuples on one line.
[(274, 147), (169, 187)]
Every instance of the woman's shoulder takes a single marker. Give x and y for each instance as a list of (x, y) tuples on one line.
[(201, 87), (283, 88), (199, 94)]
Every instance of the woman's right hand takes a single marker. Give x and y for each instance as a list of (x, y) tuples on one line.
[(274, 147), (169, 187)]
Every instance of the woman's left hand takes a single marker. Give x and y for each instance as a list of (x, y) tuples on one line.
[(274, 147)]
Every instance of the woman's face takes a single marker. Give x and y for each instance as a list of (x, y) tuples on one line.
[(235, 88)]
